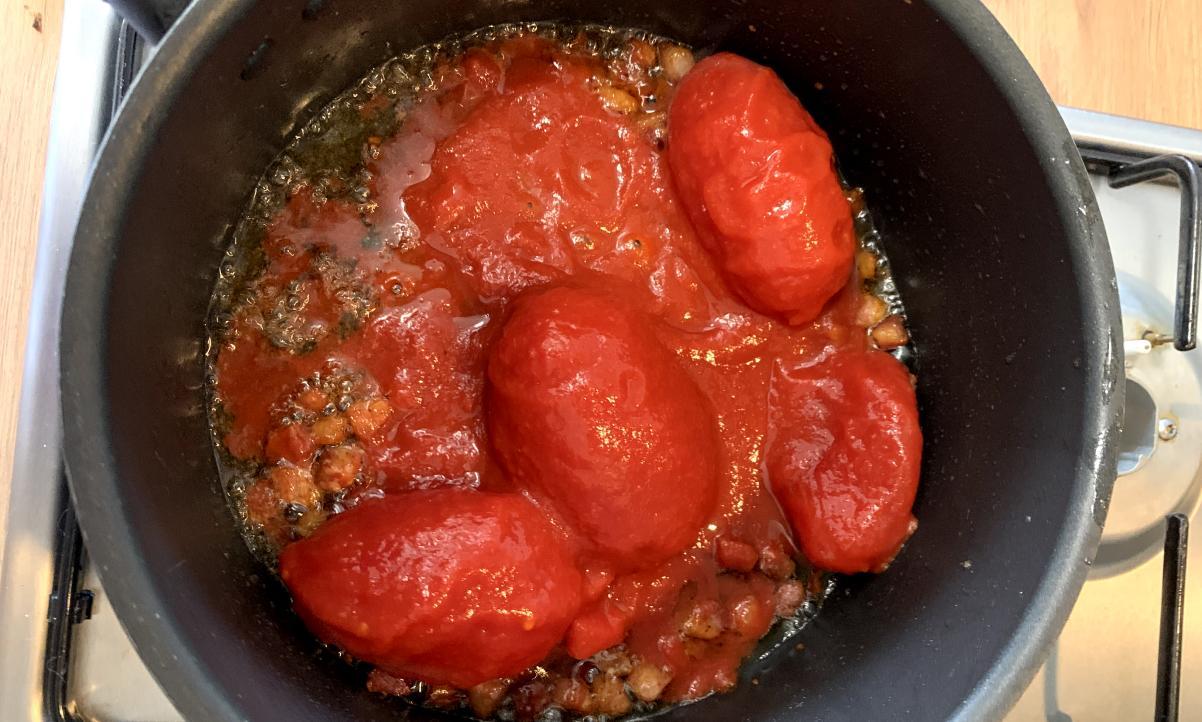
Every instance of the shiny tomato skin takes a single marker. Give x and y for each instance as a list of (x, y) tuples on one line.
[(757, 177), (843, 458), (589, 410), (445, 586)]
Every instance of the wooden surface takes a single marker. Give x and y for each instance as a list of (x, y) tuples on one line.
[(29, 34), (1141, 58), (1132, 57)]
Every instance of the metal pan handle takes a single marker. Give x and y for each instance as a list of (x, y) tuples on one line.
[(151, 18), (1189, 255), (1172, 618)]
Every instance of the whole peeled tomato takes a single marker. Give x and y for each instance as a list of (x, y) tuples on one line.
[(757, 177), (533, 165), (843, 457), (590, 411), (446, 586)]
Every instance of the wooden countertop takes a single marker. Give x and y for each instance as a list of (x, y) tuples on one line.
[(1141, 58)]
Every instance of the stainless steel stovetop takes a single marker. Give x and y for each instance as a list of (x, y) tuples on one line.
[(1103, 667)]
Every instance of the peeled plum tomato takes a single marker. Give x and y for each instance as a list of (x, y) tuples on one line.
[(539, 179), (843, 456), (446, 586), (590, 410), (757, 177)]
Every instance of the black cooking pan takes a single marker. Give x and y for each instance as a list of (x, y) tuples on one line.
[(987, 216)]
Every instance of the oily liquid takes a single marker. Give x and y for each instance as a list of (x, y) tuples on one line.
[(329, 159)]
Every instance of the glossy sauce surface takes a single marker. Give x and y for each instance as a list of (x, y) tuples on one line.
[(524, 204)]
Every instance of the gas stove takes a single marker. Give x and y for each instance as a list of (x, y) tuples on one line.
[(64, 655)]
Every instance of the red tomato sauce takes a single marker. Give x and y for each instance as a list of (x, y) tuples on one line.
[(531, 341)]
